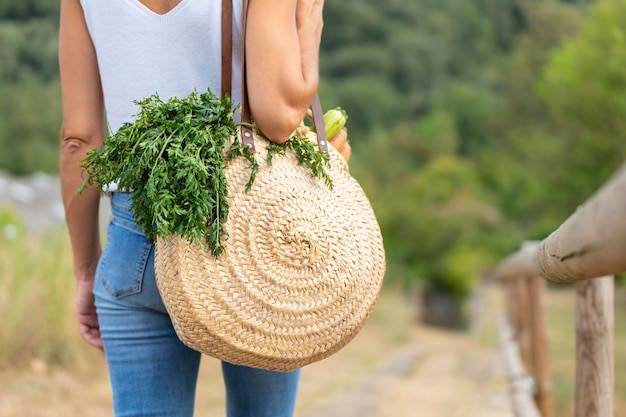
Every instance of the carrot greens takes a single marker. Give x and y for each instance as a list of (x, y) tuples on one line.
[(172, 159)]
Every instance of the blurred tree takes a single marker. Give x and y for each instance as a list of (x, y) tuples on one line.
[(525, 164), (467, 93), (547, 25), (435, 214), (412, 49), (28, 9), (474, 109), (30, 108), (584, 87), (28, 50), (29, 141)]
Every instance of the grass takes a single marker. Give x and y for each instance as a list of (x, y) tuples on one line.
[(37, 301)]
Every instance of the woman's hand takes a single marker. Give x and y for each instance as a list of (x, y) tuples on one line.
[(86, 313), (340, 142)]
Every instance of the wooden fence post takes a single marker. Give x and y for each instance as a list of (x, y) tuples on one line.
[(527, 315), (539, 339), (594, 348), (522, 324)]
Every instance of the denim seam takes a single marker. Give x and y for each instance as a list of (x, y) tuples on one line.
[(122, 213), (141, 266), (121, 202), (126, 224)]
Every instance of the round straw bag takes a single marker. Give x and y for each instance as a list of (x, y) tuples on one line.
[(303, 263), (302, 268)]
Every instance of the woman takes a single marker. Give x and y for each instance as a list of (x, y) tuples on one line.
[(112, 53)]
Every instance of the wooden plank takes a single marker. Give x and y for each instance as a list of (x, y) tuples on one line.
[(592, 241), (520, 263), (594, 348)]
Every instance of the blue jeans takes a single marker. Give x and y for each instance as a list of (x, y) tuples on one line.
[(152, 372)]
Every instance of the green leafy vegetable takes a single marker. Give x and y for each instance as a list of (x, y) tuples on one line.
[(172, 160), (306, 154)]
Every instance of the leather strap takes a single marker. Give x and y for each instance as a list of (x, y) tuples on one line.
[(246, 131), (227, 74), (227, 45), (318, 120)]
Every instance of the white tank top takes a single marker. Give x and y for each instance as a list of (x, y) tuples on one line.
[(141, 53)]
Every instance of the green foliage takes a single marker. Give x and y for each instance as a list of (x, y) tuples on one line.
[(28, 50), (462, 268), (392, 155), (469, 89), (515, 147), (520, 171), (402, 52), (437, 211), (548, 23), (473, 110), (369, 100), (557, 149), (526, 166), (30, 115), (307, 154), (173, 157), (28, 9), (584, 83), (30, 110)]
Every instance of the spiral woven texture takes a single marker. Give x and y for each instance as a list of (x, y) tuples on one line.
[(302, 268)]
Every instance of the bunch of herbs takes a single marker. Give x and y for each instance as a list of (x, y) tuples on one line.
[(172, 159)]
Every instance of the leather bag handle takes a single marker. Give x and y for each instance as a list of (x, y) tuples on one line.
[(227, 77)]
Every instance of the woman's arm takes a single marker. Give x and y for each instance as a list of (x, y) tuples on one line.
[(282, 54), (82, 130)]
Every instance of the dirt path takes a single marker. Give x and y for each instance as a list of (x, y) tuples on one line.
[(443, 375), (394, 368), (433, 373)]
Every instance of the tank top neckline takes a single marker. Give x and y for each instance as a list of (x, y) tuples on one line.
[(145, 9)]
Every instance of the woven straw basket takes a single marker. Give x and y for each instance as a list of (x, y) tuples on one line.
[(302, 268)]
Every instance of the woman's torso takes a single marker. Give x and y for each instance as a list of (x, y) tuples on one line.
[(141, 52)]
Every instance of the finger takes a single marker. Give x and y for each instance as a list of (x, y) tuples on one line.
[(346, 152), (340, 139), (90, 327), (92, 336)]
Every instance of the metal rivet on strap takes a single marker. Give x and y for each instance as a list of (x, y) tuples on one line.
[(323, 142), (247, 134), (249, 145)]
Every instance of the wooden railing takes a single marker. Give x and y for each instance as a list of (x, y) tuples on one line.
[(589, 248)]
